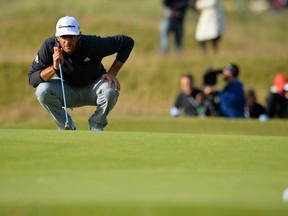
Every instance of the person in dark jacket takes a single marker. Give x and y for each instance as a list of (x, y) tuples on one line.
[(253, 109), (189, 99), (232, 98), (173, 22), (86, 81), (277, 99)]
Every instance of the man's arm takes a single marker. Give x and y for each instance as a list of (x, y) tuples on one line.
[(42, 67), (115, 67), (123, 45), (47, 73), (50, 71)]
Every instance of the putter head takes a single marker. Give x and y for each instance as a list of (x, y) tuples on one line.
[(67, 127)]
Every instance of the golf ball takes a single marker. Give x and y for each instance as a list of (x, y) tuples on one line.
[(285, 195)]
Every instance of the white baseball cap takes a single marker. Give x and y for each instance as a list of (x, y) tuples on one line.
[(67, 26)]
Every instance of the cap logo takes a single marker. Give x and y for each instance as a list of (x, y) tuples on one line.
[(68, 26)]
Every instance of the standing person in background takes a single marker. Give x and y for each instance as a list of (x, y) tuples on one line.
[(173, 22), (87, 83), (211, 23), (232, 97), (189, 99), (277, 99)]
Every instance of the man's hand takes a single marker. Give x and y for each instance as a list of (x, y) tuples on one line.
[(208, 90), (111, 80), (57, 55), (49, 72), (111, 75)]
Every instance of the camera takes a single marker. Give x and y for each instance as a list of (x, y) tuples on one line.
[(210, 76)]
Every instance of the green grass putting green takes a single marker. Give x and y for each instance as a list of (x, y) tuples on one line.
[(50, 172)]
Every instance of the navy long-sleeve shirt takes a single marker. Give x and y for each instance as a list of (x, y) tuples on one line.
[(232, 100), (84, 66)]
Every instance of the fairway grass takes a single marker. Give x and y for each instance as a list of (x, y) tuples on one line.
[(50, 172)]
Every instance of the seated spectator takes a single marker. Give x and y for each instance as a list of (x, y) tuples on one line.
[(277, 99), (189, 99), (232, 97), (253, 109)]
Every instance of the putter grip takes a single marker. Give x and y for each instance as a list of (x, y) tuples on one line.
[(57, 44)]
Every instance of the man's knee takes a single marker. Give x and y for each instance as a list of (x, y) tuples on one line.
[(111, 98), (110, 93), (42, 91)]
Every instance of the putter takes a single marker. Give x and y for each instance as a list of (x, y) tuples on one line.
[(66, 127)]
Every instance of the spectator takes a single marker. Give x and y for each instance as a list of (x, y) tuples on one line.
[(189, 99), (210, 25), (173, 19), (277, 99), (232, 97), (278, 4), (253, 109)]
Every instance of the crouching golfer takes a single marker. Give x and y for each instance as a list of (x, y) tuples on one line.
[(86, 82)]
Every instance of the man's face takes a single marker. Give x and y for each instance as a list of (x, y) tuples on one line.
[(228, 76), (186, 85), (68, 43)]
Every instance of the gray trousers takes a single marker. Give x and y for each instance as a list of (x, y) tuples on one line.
[(98, 94)]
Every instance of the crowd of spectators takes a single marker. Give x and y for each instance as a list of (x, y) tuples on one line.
[(234, 100)]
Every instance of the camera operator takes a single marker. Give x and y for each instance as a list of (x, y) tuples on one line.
[(231, 99), (210, 101)]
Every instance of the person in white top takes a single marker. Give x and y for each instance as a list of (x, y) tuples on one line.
[(211, 23)]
